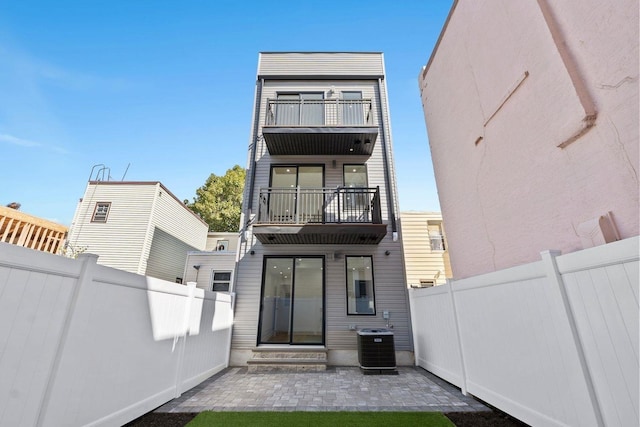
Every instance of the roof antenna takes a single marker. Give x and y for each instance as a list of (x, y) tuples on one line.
[(125, 172)]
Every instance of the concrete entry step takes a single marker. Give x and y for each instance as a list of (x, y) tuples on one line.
[(288, 359)]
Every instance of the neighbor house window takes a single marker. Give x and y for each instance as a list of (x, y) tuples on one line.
[(101, 212), (220, 281), (222, 245), (360, 295), (427, 283), (436, 237)]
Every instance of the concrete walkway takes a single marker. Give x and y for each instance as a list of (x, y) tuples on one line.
[(337, 389)]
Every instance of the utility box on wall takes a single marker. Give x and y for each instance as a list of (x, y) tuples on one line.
[(376, 349)]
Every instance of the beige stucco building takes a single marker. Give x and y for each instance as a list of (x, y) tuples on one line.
[(532, 115), (425, 247)]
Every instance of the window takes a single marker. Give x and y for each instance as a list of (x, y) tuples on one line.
[(356, 202), (220, 281), (427, 283), (286, 205), (222, 245), (352, 111), (436, 237), (101, 212), (360, 295), (296, 109)]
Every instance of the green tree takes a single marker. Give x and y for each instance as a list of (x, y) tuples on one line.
[(219, 200)]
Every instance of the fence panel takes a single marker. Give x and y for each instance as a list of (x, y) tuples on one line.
[(84, 344), (33, 309), (602, 290), (435, 344), (552, 343)]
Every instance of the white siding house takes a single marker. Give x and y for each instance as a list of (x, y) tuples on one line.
[(320, 254), (140, 227), (214, 268)]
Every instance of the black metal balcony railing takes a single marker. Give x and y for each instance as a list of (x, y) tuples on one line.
[(319, 112), (298, 206)]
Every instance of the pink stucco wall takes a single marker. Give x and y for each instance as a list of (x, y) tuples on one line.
[(498, 74)]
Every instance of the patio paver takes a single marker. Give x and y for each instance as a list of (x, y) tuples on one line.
[(337, 389)]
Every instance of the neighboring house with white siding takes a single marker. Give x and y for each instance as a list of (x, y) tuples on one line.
[(426, 255), (139, 227), (214, 268), (320, 254)]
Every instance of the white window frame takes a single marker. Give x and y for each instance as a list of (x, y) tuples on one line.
[(213, 280)]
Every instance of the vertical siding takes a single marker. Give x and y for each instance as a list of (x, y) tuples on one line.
[(33, 307), (604, 300), (389, 276), (559, 345)]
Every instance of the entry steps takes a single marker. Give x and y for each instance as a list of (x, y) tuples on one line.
[(288, 359)]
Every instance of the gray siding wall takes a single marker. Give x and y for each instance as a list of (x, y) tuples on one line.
[(325, 64), (389, 275)]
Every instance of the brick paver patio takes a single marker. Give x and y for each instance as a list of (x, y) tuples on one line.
[(337, 389)]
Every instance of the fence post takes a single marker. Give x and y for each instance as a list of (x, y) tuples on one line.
[(552, 273), (191, 292), (85, 278), (463, 371)]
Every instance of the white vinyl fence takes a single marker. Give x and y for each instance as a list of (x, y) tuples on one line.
[(553, 343), (83, 344)]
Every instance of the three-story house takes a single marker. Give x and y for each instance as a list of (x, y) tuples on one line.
[(320, 255)]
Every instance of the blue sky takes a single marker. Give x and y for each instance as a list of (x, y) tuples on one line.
[(166, 88)]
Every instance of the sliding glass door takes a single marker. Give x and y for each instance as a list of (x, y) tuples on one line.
[(292, 308), (287, 204)]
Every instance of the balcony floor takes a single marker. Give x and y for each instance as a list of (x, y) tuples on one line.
[(320, 140), (320, 234)]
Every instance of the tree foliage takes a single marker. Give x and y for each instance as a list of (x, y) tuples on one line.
[(219, 200)]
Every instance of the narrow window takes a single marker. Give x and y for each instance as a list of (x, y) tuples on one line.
[(436, 237), (356, 202), (352, 111), (360, 293), (101, 212), (220, 281)]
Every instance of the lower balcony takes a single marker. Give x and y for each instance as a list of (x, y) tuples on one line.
[(338, 216)]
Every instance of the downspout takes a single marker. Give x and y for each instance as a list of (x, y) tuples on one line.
[(387, 166), (254, 144), (578, 81)]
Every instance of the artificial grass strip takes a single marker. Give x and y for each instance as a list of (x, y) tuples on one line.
[(320, 419)]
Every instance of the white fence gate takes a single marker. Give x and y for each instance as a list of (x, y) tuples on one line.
[(83, 344), (552, 343)]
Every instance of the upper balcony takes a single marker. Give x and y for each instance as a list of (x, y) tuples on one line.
[(320, 127), (339, 216)]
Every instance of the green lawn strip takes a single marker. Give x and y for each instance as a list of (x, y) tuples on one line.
[(320, 419)]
